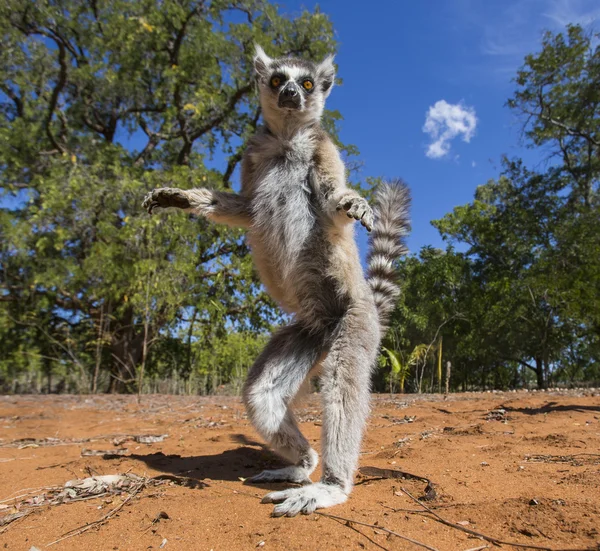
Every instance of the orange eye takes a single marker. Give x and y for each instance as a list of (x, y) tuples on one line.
[(275, 82), (308, 85)]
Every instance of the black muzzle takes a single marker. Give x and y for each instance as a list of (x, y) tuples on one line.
[(289, 97)]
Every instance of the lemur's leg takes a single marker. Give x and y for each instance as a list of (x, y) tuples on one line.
[(345, 394), (273, 382), (218, 206)]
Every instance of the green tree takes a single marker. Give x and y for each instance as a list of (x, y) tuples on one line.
[(518, 315), (526, 290), (429, 308), (100, 102), (558, 96)]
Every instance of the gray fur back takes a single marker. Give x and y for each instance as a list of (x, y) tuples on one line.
[(387, 244)]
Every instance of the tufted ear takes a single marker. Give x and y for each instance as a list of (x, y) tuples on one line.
[(326, 74), (261, 62)]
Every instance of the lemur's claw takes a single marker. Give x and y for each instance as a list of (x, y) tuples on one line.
[(150, 205)]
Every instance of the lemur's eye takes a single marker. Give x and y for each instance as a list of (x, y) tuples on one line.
[(308, 84), (275, 82)]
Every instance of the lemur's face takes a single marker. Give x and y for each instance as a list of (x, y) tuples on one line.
[(292, 85)]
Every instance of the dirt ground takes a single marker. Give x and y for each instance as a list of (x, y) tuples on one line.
[(521, 466)]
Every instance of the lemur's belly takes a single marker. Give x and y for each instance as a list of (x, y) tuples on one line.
[(284, 226)]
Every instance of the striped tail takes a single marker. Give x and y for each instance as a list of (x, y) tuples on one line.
[(387, 245)]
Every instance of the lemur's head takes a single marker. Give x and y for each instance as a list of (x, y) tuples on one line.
[(292, 88)]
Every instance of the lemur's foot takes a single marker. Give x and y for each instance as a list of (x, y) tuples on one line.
[(305, 500), (356, 207), (166, 197), (297, 475)]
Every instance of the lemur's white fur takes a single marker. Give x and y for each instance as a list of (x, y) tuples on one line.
[(298, 211)]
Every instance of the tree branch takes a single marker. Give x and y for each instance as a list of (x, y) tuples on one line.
[(14, 97), (570, 130), (62, 80), (237, 156), (174, 58), (216, 121), (523, 363)]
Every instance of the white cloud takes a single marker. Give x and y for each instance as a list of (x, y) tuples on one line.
[(444, 122), (473, 164)]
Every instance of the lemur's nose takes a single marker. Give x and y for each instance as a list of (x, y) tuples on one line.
[(290, 91)]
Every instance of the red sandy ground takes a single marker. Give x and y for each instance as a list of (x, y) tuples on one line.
[(485, 470)]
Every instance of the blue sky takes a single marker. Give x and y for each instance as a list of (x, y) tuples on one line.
[(398, 59), (451, 59)]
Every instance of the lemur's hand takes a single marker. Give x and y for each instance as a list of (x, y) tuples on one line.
[(166, 197), (356, 207)]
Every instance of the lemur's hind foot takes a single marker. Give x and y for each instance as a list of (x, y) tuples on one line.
[(293, 474), (305, 500)]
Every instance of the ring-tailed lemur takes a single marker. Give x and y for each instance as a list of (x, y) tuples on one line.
[(298, 211)]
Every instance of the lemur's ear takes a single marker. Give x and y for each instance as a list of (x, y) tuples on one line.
[(261, 61), (326, 74)]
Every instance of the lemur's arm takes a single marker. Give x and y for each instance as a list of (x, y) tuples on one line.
[(328, 181), (219, 206)]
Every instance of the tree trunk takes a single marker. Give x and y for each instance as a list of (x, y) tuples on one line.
[(539, 372), (126, 350), (439, 366), (188, 368), (546, 365)]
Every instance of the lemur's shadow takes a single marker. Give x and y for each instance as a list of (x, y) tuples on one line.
[(244, 462)]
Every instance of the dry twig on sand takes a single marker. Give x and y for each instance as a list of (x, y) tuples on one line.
[(88, 488), (117, 440), (576, 459), (8, 519), (349, 521), (430, 493), (100, 521), (491, 539)]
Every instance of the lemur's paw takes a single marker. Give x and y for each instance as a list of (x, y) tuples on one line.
[(305, 500), (298, 475), (166, 197), (357, 207)]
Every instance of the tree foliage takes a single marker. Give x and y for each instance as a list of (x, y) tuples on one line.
[(101, 101), (524, 289)]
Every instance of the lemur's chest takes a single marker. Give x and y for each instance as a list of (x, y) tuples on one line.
[(282, 204), (281, 190), (273, 157)]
